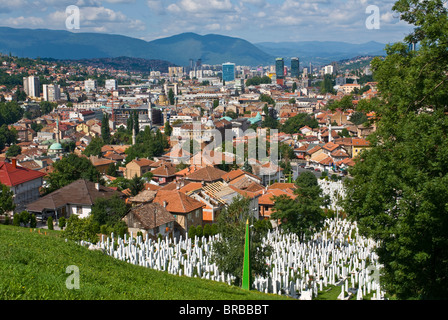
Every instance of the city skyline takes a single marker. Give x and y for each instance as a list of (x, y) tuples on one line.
[(253, 20)]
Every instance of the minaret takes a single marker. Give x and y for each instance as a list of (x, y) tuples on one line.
[(57, 130), (133, 136), (330, 137)]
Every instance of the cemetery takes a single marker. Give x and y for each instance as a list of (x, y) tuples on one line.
[(336, 258)]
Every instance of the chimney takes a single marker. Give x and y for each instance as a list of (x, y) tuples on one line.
[(165, 204), (14, 162), (97, 186)]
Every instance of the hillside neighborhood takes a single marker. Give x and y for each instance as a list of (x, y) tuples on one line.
[(108, 124)]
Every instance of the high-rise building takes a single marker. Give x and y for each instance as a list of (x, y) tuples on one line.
[(31, 86), (279, 68), (89, 85), (228, 72), (51, 92), (111, 84), (295, 67)]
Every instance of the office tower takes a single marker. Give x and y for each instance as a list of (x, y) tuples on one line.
[(199, 64), (31, 86), (279, 70), (52, 92), (228, 72), (295, 67), (89, 85), (111, 84)]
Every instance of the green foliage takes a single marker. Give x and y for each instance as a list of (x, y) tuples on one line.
[(62, 222), (7, 136), (69, 169), (231, 114), (13, 151), (47, 107), (256, 81), (105, 129), (78, 229), (302, 215), (10, 112), (6, 199), (33, 221), (16, 220), (136, 184), (171, 96), (399, 191), (94, 147), (228, 251), (327, 85), (168, 129), (293, 125), (148, 145), (24, 217), (191, 232), (358, 118), (50, 223), (344, 104)]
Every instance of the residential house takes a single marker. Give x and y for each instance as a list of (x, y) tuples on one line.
[(76, 198), (187, 211), (23, 182), (138, 167), (150, 219)]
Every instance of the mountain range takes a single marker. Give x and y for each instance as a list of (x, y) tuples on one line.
[(179, 49)]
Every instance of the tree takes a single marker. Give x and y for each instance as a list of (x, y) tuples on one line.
[(111, 170), (168, 129), (294, 124), (69, 169), (171, 96), (109, 211), (399, 190), (215, 103), (94, 147), (294, 87), (78, 229), (6, 199), (105, 129), (13, 151), (136, 185), (50, 223), (228, 251), (304, 214), (7, 136), (358, 118)]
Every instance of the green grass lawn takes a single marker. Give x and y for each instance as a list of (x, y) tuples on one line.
[(33, 267)]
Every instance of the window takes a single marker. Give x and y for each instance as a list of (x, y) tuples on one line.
[(78, 209)]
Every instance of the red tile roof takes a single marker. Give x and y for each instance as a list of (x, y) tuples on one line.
[(11, 175)]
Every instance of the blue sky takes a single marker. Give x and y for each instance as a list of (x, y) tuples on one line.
[(253, 20)]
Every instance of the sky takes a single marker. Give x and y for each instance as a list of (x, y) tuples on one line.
[(253, 20)]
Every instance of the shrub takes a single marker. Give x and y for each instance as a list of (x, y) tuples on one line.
[(50, 223), (33, 221), (62, 222), (16, 220), (25, 217), (207, 231), (199, 231), (192, 232)]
